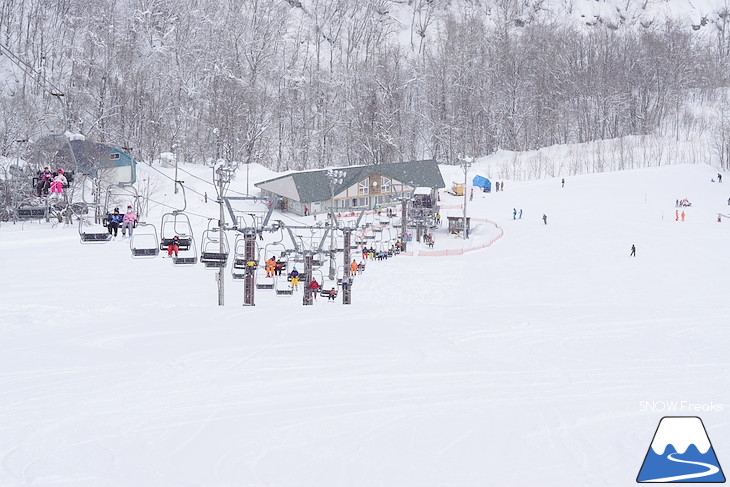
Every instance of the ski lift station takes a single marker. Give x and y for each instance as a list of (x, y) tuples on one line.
[(360, 186)]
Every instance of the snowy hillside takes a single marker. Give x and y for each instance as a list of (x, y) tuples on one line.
[(522, 364)]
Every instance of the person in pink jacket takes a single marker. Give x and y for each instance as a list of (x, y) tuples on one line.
[(130, 218), (58, 182)]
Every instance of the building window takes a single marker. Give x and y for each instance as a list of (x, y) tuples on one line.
[(114, 156), (362, 187), (363, 202), (385, 185)]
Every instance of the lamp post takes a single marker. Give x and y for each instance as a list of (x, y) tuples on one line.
[(465, 162), (335, 178)]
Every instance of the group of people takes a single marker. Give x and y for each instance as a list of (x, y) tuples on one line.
[(127, 221), (48, 180), (683, 202), (274, 267)]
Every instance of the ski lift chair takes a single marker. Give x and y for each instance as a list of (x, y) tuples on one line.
[(95, 236), (210, 245), (144, 242), (241, 266)]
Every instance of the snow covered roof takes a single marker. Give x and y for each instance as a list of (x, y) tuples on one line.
[(309, 186)]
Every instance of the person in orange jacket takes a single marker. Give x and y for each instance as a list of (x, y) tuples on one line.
[(353, 267), (270, 266), (682, 216)]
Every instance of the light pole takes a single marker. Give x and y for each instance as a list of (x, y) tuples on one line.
[(335, 178), (465, 162)]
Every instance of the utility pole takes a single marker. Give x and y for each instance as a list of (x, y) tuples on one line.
[(465, 164), (174, 154), (223, 176), (249, 239), (335, 177), (346, 280), (307, 298), (404, 224)]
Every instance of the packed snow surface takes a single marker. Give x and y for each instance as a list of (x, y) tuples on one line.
[(524, 363)]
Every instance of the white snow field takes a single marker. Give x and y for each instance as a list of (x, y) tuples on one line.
[(522, 364)]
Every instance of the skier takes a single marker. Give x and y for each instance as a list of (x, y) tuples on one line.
[(58, 182), (353, 267), (306, 210), (44, 181), (294, 274), (174, 246), (130, 218), (520, 217), (544, 218), (676, 215), (682, 215), (563, 182), (278, 267), (719, 177), (113, 221), (633, 250), (471, 194), (514, 213), (270, 266), (332, 294), (313, 288)]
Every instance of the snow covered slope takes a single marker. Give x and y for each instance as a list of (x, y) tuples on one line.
[(521, 364)]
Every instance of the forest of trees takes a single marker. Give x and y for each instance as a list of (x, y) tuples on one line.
[(295, 85)]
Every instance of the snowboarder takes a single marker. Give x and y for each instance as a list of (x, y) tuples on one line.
[(633, 250), (514, 213), (520, 217), (128, 221), (332, 294), (58, 182), (113, 221), (44, 181), (174, 246), (682, 215), (544, 218)]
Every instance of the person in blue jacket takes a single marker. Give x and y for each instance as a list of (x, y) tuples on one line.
[(114, 220)]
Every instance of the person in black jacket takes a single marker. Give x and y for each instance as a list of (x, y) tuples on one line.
[(174, 246)]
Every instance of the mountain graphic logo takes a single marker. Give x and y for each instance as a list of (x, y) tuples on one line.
[(680, 452)]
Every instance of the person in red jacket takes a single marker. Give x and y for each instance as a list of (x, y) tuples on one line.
[(314, 288)]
